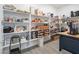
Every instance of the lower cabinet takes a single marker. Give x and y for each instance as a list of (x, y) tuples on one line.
[(70, 44)]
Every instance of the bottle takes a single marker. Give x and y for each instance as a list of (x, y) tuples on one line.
[(72, 14)]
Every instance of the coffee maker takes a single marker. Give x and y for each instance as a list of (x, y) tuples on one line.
[(73, 28)]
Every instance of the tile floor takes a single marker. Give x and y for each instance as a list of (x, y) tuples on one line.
[(49, 48)]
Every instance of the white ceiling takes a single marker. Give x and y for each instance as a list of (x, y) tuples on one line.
[(59, 5)]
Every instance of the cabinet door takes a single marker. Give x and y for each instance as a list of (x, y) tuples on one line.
[(70, 44), (62, 41)]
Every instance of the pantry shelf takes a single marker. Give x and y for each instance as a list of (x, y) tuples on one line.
[(15, 12), (15, 44), (39, 16), (33, 39), (15, 22), (14, 33), (40, 22), (35, 30)]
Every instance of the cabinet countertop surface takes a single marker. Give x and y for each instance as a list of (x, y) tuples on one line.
[(66, 34)]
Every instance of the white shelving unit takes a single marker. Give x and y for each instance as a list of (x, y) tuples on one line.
[(55, 25), (11, 13), (38, 23), (16, 15)]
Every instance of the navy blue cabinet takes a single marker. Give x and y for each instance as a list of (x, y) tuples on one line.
[(69, 43)]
